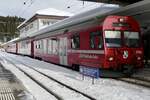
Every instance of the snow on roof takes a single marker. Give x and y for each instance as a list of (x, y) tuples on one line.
[(48, 11), (52, 11)]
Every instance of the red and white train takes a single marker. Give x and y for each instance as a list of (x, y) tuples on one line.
[(112, 43)]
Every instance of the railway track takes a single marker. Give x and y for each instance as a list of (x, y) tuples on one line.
[(135, 81), (51, 78)]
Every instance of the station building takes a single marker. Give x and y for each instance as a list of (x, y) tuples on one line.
[(40, 20)]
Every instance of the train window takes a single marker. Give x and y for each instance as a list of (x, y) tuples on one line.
[(36, 46), (53, 46), (113, 38), (39, 46), (96, 40), (131, 39), (75, 42), (23, 44), (49, 46)]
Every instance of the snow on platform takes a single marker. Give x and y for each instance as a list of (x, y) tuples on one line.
[(38, 92), (103, 89), (11, 88)]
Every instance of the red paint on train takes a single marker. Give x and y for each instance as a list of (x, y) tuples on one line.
[(114, 44)]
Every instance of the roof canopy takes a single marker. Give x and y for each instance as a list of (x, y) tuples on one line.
[(120, 2), (52, 11)]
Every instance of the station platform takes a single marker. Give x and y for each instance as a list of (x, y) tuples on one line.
[(10, 87)]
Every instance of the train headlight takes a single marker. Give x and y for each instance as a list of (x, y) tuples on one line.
[(111, 58), (122, 20), (138, 58)]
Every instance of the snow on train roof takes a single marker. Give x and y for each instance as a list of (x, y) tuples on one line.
[(75, 19)]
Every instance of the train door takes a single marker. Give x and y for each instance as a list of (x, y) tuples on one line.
[(63, 51), (32, 48)]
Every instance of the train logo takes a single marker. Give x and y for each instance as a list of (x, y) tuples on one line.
[(125, 54)]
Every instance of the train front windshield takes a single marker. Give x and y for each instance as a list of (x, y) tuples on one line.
[(131, 39), (114, 39)]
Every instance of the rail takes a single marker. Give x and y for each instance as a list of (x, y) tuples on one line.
[(51, 78)]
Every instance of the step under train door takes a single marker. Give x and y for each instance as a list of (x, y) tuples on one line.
[(63, 51)]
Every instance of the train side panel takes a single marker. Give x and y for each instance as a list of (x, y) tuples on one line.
[(86, 48), (46, 49), (24, 47), (12, 48)]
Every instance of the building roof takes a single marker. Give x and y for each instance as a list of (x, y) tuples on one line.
[(52, 11), (46, 13)]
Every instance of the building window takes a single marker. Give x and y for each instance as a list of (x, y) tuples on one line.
[(26, 28), (45, 22), (31, 26)]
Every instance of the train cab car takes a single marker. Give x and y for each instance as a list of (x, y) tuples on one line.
[(122, 43), (116, 44)]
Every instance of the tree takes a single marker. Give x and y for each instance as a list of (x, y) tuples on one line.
[(8, 26)]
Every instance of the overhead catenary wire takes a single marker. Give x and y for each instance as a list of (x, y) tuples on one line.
[(27, 7), (84, 7), (68, 6), (20, 7), (79, 7)]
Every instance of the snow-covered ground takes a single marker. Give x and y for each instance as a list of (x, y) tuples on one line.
[(103, 89), (63, 92), (38, 92)]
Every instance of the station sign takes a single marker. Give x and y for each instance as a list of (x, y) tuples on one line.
[(90, 71)]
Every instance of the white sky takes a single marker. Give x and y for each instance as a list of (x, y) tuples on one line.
[(18, 8)]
